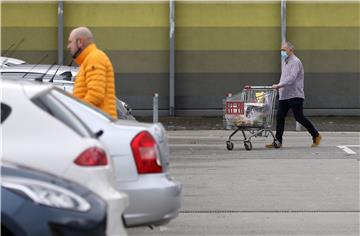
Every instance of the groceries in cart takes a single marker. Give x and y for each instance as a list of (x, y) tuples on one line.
[(250, 110), (252, 113)]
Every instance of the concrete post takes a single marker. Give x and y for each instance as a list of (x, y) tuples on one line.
[(156, 108), (228, 126), (172, 60)]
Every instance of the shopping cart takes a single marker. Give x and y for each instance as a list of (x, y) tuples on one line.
[(251, 110)]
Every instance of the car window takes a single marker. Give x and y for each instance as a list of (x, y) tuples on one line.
[(5, 112), (67, 99), (51, 105), (66, 75)]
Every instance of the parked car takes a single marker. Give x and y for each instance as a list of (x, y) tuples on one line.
[(9, 61), (141, 155), (37, 203), (40, 132), (61, 76), (33, 71)]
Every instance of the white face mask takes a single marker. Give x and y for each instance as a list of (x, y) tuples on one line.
[(284, 55)]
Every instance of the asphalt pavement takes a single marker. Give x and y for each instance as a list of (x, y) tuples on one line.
[(295, 190), (322, 123)]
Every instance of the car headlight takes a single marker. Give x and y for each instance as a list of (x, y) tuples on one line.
[(46, 194)]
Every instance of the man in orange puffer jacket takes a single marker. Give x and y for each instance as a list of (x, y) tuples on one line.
[(95, 83)]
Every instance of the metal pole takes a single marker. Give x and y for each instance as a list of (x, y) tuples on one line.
[(283, 40), (172, 59), (156, 108), (60, 32), (283, 21)]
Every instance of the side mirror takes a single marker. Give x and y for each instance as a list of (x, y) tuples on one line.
[(66, 76)]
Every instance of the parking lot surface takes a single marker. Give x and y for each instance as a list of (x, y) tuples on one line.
[(295, 190)]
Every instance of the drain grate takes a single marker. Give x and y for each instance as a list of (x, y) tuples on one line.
[(273, 211)]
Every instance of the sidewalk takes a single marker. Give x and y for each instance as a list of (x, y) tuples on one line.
[(322, 123)]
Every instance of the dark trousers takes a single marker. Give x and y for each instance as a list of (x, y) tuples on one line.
[(296, 105)]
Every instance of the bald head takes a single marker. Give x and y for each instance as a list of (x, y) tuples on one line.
[(82, 33), (79, 39)]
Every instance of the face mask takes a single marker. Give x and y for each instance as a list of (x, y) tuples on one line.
[(284, 55)]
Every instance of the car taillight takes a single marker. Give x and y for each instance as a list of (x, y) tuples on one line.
[(92, 157), (146, 154)]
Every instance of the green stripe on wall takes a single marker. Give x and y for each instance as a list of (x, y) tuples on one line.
[(215, 61), (264, 61), (323, 14), (230, 14), (319, 38), (29, 14), (137, 38), (116, 14), (269, 38), (35, 38), (141, 14), (260, 14), (254, 39)]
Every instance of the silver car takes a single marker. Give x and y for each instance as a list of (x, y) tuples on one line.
[(61, 76), (9, 61), (141, 155)]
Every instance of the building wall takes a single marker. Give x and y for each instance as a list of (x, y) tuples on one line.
[(327, 37), (220, 47)]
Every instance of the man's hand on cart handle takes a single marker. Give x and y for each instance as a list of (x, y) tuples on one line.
[(276, 86)]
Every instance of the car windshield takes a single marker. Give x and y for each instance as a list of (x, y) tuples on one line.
[(62, 96), (55, 108)]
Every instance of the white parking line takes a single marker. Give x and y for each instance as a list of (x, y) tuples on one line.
[(346, 148)]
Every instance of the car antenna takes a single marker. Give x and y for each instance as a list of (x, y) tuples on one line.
[(43, 58), (40, 79), (17, 46), (52, 78), (7, 50)]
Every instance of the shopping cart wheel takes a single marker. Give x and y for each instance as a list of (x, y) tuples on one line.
[(229, 145), (247, 145)]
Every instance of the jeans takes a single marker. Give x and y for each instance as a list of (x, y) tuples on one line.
[(296, 105)]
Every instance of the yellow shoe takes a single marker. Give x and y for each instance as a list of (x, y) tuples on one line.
[(316, 141), (275, 144)]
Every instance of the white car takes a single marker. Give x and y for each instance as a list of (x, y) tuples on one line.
[(36, 123), (141, 155), (9, 61)]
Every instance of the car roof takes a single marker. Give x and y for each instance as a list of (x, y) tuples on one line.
[(11, 61), (40, 68), (31, 87)]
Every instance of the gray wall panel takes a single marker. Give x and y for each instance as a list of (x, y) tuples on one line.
[(206, 91)]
